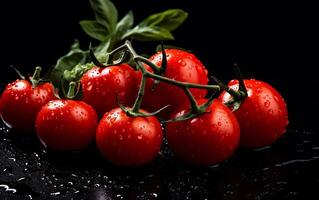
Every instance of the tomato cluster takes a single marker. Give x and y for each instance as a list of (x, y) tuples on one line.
[(126, 135)]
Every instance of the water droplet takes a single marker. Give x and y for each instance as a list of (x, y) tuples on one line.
[(89, 86), (270, 111), (117, 81), (140, 137), (16, 98), (7, 188), (259, 90), (276, 98), (121, 137), (219, 123), (118, 196), (267, 104), (52, 114), (55, 193)]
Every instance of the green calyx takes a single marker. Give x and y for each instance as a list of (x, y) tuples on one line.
[(35, 79), (140, 61), (237, 96)]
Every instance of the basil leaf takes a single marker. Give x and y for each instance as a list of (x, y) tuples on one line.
[(125, 24), (67, 62), (169, 19), (148, 33), (94, 29), (105, 13)]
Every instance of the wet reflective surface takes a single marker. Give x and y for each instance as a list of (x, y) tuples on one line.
[(287, 170)]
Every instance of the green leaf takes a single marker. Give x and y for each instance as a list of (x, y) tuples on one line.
[(125, 24), (101, 50), (169, 19), (67, 62), (94, 29), (105, 13), (148, 33)]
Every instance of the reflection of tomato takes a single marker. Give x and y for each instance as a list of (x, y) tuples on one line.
[(102, 85), (206, 139), (128, 141), (262, 116), (181, 66), (66, 124), (20, 103)]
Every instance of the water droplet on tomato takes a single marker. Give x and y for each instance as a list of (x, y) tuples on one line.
[(276, 98), (219, 123), (270, 111), (259, 90), (140, 137), (121, 137), (52, 114), (117, 81), (89, 87), (267, 103)]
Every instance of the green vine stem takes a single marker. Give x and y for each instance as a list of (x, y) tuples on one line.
[(35, 79), (135, 110)]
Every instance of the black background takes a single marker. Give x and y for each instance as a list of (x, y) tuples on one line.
[(270, 41)]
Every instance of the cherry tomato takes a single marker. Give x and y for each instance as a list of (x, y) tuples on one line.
[(66, 125), (262, 116), (181, 66), (128, 141), (20, 103), (206, 139), (102, 85)]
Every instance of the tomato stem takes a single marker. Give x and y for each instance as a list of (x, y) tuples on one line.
[(72, 91), (242, 88), (18, 72), (139, 99), (158, 76), (35, 79)]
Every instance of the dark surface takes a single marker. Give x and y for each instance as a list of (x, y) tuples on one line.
[(270, 41), (287, 170)]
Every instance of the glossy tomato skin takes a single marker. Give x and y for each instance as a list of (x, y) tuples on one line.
[(262, 116), (101, 85), (206, 139), (20, 103), (181, 66), (128, 141), (66, 125)]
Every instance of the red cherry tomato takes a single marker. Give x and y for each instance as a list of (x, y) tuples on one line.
[(181, 66), (206, 139), (128, 141), (102, 85), (262, 116), (66, 125), (20, 103)]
